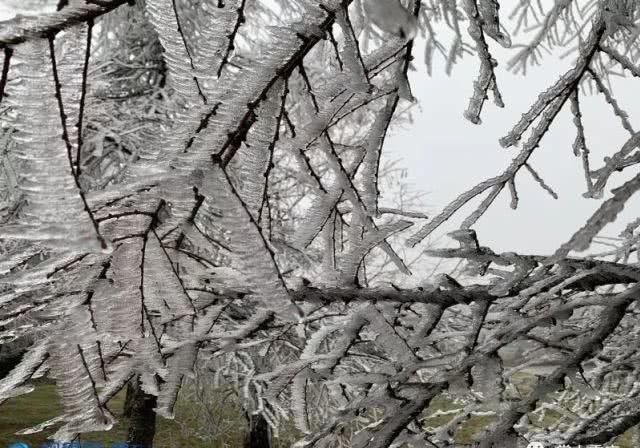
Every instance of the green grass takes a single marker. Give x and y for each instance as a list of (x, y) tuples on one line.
[(42, 404), (27, 410), (475, 424)]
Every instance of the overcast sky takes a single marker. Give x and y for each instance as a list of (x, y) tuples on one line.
[(446, 155)]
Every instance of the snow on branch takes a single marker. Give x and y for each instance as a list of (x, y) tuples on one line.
[(229, 157), (23, 28)]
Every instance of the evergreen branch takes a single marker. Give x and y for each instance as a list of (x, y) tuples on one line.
[(21, 28)]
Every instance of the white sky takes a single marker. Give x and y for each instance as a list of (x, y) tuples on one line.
[(445, 154), (9, 8), (5, 12)]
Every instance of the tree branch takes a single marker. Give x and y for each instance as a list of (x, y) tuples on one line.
[(21, 28)]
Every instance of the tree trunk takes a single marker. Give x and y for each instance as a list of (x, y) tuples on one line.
[(128, 399), (259, 434), (138, 407), (11, 354)]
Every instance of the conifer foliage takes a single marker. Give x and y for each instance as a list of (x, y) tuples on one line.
[(188, 180)]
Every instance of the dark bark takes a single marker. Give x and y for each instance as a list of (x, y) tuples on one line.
[(8, 361), (139, 408), (11, 354), (258, 434), (128, 399)]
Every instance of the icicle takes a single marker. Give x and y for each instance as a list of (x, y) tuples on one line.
[(250, 252), (353, 62), (165, 19), (14, 383), (55, 214)]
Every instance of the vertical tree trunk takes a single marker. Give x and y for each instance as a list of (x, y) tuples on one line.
[(138, 407), (128, 399), (259, 434)]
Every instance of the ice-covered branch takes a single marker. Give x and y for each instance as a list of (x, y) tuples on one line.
[(22, 28)]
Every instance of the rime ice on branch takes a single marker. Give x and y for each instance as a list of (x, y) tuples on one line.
[(188, 183)]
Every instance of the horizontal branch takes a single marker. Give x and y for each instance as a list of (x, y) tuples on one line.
[(22, 28), (597, 272), (443, 297), (602, 274)]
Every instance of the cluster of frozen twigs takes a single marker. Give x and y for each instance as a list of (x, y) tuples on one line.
[(198, 180)]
